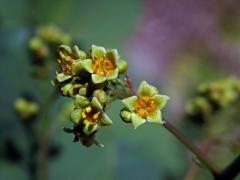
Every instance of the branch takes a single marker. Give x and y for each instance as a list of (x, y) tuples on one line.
[(200, 155), (231, 171)]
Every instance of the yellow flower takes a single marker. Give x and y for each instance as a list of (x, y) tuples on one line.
[(103, 64), (145, 106), (89, 115), (69, 59)]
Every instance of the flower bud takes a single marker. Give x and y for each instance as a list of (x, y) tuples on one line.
[(126, 116), (122, 66), (66, 89), (82, 91), (101, 96)]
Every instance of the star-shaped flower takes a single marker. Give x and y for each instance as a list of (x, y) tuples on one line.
[(102, 64), (145, 106), (89, 114), (69, 59)]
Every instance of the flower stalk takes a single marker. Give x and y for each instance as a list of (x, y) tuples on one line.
[(193, 148)]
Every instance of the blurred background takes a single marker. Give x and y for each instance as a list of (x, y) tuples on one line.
[(175, 45)]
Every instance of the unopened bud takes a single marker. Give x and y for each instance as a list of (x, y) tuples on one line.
[(101, 96), (122, 66), (126, 116)]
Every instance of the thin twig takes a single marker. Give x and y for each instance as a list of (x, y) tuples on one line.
[(128, 83), (193, 169), (200, 155), (231, 171)]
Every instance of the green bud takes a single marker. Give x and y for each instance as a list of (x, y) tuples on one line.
[(80, 101), (126, 116), (122, 66), (101, 96), (83, 91), (66, 89)]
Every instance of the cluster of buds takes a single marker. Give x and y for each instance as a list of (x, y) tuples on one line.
[(40, 46), (212, 97), (94, 79)]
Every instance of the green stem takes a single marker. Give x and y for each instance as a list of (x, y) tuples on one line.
[(194, 149)]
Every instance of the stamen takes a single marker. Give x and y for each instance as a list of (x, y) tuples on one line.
[(96, 115), (88, 109), (103, 66), (144, 106), (84, 115)]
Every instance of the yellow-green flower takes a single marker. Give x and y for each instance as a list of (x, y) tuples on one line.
[(145, 106), (89, 114), (69, 59), (102, 64)]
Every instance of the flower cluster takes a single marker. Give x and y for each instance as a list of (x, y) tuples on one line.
[(94, 79), (212, 97), (40, 46)]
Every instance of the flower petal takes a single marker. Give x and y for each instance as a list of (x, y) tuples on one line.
[(64, 51), (137, 120), (98, 79), (62, 77), (113, 55), (129, 102), (156, 117), (76, 115), (87, 65), (89, 128), (97, 51), (113, 74), (78, 54), (105, 120), (160, 100), (75, 51), (95, 103), (81, 101), (77, 67), (146, 89)]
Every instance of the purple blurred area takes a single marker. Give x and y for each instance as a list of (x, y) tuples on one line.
[(170, 25)]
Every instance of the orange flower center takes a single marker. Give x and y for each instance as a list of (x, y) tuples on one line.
[(91, 114), (144, 106), (103, 66)]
